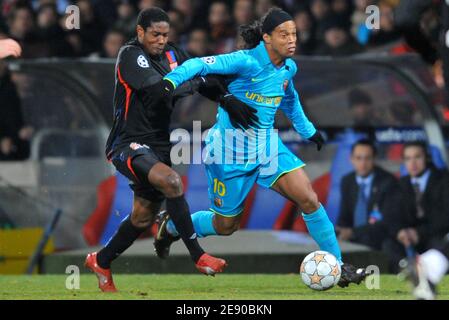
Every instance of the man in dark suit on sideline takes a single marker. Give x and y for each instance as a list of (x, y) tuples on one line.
[(423, 219), (369, 197)]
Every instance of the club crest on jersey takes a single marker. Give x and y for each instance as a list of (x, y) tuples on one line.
[(171, 59), (285, 85), (218, 202), (135, 146), (142, 62), (209, 60)]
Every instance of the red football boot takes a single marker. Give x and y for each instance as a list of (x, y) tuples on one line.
[(105, 282), (210, 265)]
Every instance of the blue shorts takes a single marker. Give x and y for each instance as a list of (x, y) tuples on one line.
[(230, 184)]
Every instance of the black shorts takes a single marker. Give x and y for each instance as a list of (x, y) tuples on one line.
[(135, 161)]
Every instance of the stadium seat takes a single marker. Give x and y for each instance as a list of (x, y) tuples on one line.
[(266, 209), (197, 195), (286, 217), (94, 227), (120, 209), (437, 157)]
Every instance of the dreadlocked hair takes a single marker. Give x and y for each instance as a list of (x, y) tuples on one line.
[(251, 34)]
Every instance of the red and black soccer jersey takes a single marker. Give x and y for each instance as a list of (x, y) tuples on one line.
[(135, 121)]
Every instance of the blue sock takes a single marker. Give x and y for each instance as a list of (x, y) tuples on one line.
[(202, 223), (322, 231)]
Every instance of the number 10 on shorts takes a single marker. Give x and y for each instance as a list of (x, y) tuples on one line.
[(219, 188)]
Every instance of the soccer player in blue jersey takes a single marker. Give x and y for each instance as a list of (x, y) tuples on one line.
[(262, 78)]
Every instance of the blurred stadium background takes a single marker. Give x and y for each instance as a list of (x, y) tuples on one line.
[(56, 110)]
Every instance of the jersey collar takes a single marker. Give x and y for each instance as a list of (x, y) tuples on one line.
[(262, 56)]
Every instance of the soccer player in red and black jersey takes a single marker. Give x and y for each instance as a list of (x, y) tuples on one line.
[(139, 143)]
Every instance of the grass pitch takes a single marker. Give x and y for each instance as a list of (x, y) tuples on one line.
[(222, 287)]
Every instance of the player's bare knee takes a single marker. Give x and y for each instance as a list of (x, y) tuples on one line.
[(309, 203), (141, 217), (142, 223), (227, 227), (226, 231), (172, 186)]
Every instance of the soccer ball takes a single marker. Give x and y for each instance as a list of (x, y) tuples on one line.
[(320, 270)]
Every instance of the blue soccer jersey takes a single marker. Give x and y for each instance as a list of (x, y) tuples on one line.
[(266, 87)]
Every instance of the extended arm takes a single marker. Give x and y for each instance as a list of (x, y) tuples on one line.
[(292, 108)]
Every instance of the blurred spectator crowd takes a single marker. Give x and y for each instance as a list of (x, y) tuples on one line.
[(202, 27)]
